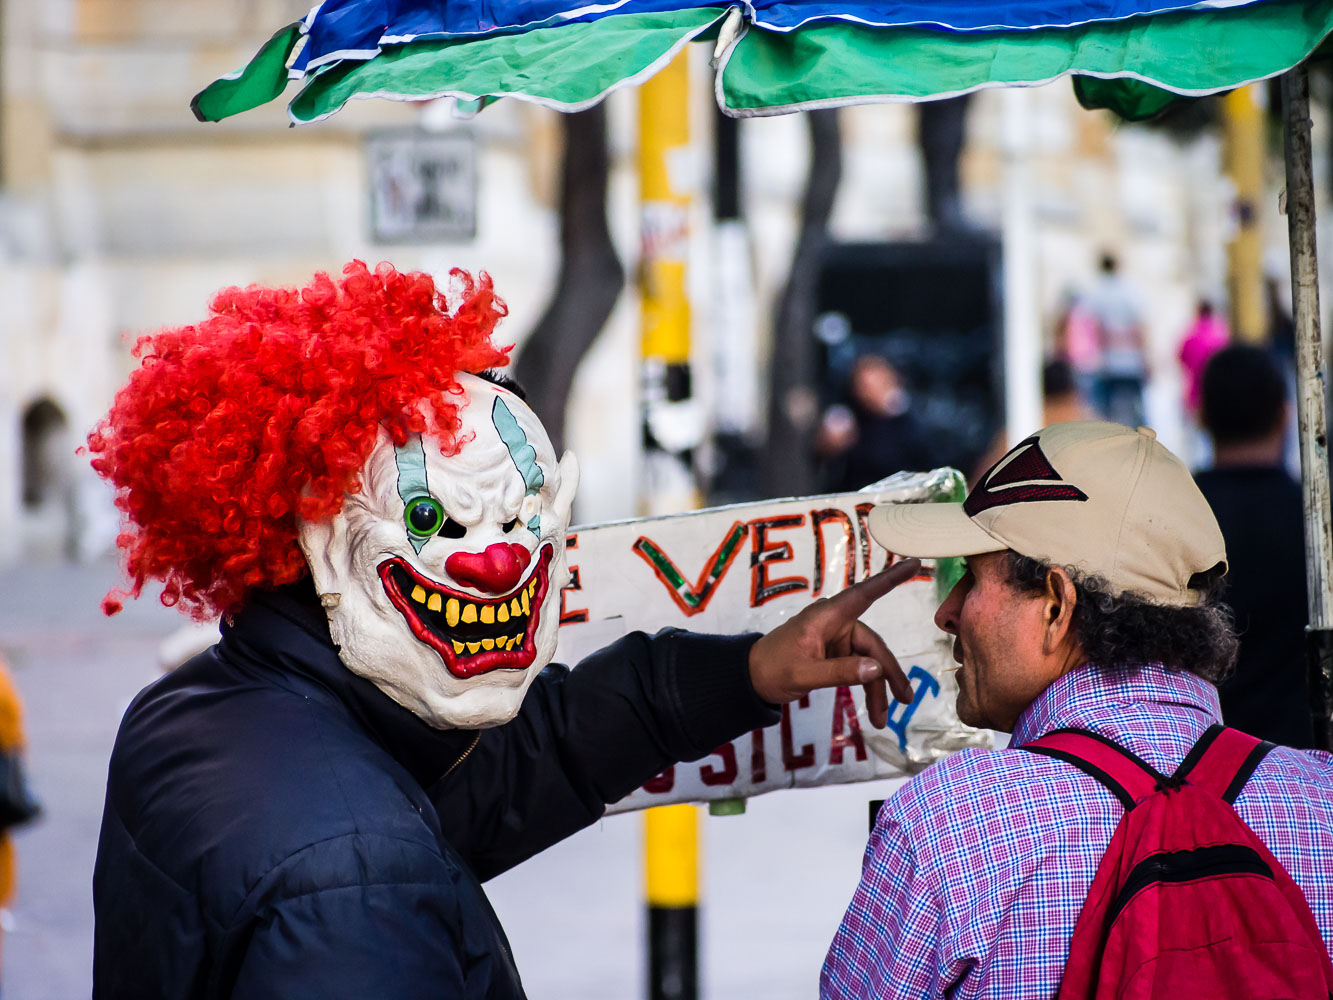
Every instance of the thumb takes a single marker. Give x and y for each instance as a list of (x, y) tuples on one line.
[(867, 672)]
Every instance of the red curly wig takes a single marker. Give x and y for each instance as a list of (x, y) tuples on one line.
[(266, 411)]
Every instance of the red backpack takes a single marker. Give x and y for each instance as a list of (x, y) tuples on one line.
[(1187, 901)]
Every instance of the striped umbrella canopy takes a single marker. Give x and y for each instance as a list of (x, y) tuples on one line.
[(771, 56)]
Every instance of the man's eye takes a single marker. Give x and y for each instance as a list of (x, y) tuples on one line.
[(423, 516)]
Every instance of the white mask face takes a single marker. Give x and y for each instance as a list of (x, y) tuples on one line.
[(442, 577)]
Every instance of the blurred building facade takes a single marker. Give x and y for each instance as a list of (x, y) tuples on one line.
[(119, 213)]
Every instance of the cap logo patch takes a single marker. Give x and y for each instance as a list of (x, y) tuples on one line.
[(1024, 475)]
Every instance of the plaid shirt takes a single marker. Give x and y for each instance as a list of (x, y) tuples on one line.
[(977, 869)]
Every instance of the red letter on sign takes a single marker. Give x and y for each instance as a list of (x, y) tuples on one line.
[(792, 760), (728, 772), (761, 587), (663, 783), (818, 518), (844, 710), (758, 762), (570, 616)]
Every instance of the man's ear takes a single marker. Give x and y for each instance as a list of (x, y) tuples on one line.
[(1058, 623), (569, 485)]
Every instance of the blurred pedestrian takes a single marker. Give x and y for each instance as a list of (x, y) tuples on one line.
[(16, 802), (1121, 361), (874, 434), (1076, 343), (1204, 337), (1259, 507)]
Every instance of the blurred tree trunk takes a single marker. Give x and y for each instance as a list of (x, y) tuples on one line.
[(589, 280), (940, 133), (789, 466)]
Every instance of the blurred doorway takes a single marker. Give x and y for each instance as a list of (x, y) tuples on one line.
[(47, 515)]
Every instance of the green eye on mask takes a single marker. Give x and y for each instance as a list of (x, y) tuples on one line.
[(423, 516)]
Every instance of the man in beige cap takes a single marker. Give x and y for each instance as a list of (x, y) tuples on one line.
[(1088, 602)]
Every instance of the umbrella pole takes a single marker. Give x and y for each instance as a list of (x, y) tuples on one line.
[(1022, 306), (1311, 399)]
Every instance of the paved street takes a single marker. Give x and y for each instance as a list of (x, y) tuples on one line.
[(776, 878)]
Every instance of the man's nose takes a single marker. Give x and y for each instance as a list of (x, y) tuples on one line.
[(496, 569), (946, 615)]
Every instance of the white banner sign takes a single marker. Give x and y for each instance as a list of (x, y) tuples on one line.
[(746, 568)]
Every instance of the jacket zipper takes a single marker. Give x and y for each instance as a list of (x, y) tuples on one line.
[(464, 756)]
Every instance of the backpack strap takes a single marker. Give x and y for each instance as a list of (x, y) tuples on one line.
[(1128, 777), (1222, 761)]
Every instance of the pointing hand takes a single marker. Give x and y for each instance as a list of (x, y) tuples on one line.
[(826, 646)]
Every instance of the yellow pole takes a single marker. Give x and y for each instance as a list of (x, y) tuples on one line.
[(1243, 134), (670, 434), (671, 841), (664, 139), (671, 428)]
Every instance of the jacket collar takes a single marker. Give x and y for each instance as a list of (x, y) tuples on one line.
[(284, 634)]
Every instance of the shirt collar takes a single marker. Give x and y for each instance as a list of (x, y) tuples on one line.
[(1072, 697)]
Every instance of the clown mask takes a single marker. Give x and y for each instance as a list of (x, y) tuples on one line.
[(441, 578)]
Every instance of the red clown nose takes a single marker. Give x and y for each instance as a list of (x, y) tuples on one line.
[(496, 570)]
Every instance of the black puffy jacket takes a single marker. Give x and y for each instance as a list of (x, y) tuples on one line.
[(275, 826)]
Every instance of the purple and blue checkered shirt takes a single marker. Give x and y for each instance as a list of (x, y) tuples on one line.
[(977, 869)]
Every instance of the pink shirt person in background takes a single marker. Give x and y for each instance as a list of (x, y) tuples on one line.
[(1207, 335)]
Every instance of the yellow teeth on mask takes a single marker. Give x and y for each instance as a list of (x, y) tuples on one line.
[(476, 616)]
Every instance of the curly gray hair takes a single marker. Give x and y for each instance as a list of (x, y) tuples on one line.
[(1126, 630)]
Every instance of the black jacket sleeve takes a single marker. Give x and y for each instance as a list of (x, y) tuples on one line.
[(586, 738)]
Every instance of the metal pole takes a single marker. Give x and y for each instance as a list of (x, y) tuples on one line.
[(1022, 309), (734, 327), (672, 424), (671, 432), (671, 880), (1243, 133), (1311, 393)]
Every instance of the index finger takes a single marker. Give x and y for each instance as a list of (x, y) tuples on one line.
[(854, 601)]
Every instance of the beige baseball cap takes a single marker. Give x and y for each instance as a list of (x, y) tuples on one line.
[(1106, 499)]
